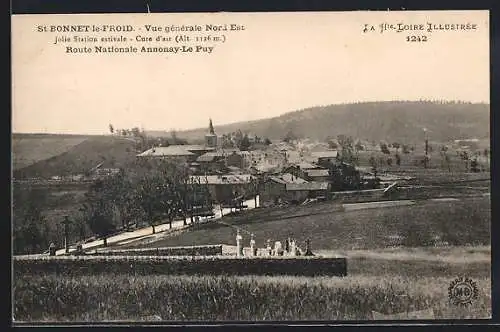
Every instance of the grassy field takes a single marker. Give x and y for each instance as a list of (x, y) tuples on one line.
[(64, 156), (30, 148), (384, 285), (430, 176), (462, 222), (413, 160)]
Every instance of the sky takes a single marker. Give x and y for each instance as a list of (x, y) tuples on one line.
[(281, 62)]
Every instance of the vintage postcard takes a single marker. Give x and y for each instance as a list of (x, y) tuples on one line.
[(204, 167)]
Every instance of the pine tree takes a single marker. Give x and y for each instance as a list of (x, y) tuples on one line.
[(244, 143)]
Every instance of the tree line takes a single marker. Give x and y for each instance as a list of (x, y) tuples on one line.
[(151, 190), (349, 149), (145, 141), (242, 141), (148, 191)]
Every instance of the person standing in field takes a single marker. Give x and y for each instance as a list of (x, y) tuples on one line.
[(268, 247), (239, 247)]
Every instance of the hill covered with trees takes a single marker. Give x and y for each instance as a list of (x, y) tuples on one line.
[(402, 121)]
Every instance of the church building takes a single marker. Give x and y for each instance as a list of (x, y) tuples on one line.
[(211, 137)]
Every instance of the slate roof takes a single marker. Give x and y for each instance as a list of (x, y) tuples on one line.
[(305, 165), (317, 172), (210, 156), (174, 150), (195, 147), (325, 154), (265, 167), (171, 150), (307, 186), (287, 178)]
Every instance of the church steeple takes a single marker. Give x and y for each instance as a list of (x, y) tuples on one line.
[(211, 137), (211, 130)]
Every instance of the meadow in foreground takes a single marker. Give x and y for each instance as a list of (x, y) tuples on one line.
[(108, 297)]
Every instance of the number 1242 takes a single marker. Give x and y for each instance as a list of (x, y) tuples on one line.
[(416, 38)]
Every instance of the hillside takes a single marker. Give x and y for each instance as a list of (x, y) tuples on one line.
[(65, 155), (31, 148), (391, 121), (458, 222)]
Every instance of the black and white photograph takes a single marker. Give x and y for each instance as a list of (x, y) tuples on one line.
[(251, 167)]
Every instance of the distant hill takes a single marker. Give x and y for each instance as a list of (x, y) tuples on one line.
[(392, 121), (45, 155), (31, 148), (67, 154)]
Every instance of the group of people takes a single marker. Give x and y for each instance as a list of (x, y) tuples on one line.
[(290, 247)]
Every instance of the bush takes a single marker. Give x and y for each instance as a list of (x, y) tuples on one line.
[(212, 265), (208, 250)]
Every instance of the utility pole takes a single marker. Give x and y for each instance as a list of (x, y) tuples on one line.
[(426, 148), (66, 223)]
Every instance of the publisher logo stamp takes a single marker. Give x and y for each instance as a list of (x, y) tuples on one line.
[(462, 291)]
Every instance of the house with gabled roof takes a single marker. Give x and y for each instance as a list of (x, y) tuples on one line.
[(290, 188), (308, 171), (317, 175), (320, 157), (225, 188)]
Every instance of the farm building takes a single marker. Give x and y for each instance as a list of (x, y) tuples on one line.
[(317, 175), (275, 157), (324, 156), (211, 162), (224, 188), (272, 191), (273, 188), (309, 172), (296, 171), (298, 192), (218, 160), (288, 187), (307, 166)]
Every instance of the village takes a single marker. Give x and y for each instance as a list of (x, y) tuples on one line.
[(287, 172), (229, 173)]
